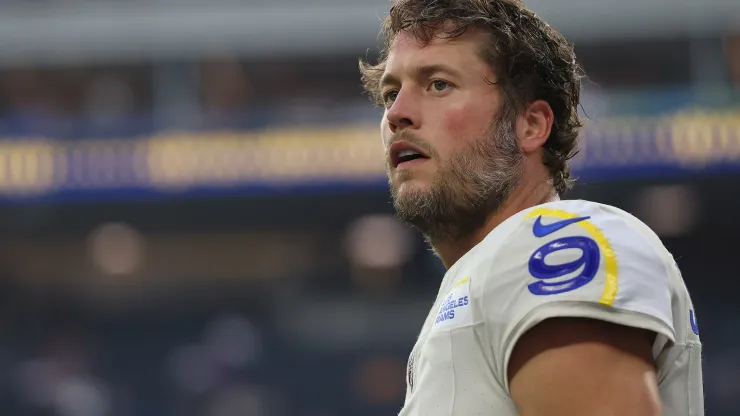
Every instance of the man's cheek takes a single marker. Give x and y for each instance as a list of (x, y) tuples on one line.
[(459, 124)]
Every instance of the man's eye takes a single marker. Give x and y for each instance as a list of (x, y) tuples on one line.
[(440, 86), (390, 96)]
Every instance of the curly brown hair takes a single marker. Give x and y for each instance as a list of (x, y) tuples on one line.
[(531, 60)]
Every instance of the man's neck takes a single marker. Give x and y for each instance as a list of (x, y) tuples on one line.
[(527, 195)]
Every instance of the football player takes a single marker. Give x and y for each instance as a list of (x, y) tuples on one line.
[(548, 307)]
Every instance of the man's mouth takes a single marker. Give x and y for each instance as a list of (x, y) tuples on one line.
[(403, 152), (409, 155)]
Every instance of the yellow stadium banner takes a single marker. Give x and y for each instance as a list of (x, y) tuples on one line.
[(172, 162)]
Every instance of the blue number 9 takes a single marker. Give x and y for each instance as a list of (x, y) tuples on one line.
[(589, 260)]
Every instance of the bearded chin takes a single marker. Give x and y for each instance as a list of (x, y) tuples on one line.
[(472, 186)]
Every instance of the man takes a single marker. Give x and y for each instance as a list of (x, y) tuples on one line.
[(548, 307)]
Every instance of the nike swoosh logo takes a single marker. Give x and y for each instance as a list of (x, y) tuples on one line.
[(541, 230)]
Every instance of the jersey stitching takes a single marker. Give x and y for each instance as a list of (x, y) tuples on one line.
[(690, 382), (687, 392), (420, 343), (454, 374), (489, 340)]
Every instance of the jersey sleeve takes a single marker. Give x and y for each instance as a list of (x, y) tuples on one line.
[(571, 260)]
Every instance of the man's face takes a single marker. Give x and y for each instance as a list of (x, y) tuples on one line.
[(440, 103)]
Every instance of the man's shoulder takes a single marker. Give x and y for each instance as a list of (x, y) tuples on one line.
[(574, 241), (579, 259)]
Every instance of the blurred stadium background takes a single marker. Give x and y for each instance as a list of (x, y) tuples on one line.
[(194, 218)]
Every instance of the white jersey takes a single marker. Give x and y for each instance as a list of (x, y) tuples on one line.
[(560, 259)]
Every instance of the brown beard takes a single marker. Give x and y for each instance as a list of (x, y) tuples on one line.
[(468, 188)]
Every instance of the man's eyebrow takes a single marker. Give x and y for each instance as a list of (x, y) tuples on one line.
[(423, 71)]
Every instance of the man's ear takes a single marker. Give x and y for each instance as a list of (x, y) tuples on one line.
[(533, 125)]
